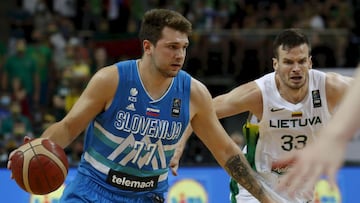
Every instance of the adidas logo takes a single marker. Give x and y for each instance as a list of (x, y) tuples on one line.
[(131, 107)]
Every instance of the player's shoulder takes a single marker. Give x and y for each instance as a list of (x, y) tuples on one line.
[(250, 89), (107, 72), (106, 78), (197, 86), (336, 84), (336, 79), (198, 90), (200, 97)]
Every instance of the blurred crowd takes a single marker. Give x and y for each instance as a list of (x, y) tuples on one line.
[(52, 49)]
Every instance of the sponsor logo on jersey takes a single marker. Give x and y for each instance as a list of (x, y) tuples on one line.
[(316, 99), (276, 109), (132, 183), (295, 122), (131, 107)]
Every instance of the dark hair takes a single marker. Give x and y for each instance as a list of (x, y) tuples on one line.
[(155, 20), (289, 39)]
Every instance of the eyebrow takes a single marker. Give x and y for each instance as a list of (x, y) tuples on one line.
[(177, 43)]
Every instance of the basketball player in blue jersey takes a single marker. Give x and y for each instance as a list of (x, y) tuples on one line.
[(292, 104), (134, 112), (326, 155)]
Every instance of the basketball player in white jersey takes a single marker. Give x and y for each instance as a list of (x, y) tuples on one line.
[(292, 104), (326, 156)]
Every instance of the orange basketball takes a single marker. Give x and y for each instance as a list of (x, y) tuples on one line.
[(39, 166)]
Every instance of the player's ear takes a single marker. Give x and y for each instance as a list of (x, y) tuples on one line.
[(310, 62), (147, 46), (275, 63)]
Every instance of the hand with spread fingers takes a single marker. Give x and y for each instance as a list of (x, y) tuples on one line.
[(312, 163)]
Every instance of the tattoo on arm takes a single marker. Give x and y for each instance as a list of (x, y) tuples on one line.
[(241, 171)]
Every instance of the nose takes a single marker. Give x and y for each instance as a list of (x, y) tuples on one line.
[(296, 67), (180, 53)]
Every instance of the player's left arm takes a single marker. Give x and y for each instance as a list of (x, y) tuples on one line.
[(336, 87), (208, 128)]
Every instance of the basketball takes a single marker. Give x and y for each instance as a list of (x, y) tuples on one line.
[(39, 166)]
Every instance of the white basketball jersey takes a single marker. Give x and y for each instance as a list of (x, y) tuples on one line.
[(285, 126)]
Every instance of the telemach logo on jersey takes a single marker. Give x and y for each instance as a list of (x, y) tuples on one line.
[(130, 182)]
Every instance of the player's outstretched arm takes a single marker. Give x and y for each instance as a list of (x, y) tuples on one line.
[(209, 129), (231, 103), (326, 155)]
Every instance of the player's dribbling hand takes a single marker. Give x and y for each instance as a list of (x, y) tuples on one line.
[(321, 158), (26, 140), (174, 165), (293, 179)]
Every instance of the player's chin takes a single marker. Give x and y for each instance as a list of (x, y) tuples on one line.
[(173, 73)]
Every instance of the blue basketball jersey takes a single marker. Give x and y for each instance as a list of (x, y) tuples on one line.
[(128, 147)]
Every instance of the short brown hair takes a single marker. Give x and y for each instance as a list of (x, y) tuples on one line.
[(155, 20), (290, 38)]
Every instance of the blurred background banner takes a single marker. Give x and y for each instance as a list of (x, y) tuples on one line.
[(193, 185)]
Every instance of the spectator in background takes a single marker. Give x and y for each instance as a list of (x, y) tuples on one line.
[(60, 32), (79, 69), (74, 74), (322, 53), (66, 8), (5, 100), (22, 66), (15, 126), (100, 59), (3, 51), (20, 22), (58, 99), (118, 14), (41, 52), (42, 15), (19, 95), (91, 14)]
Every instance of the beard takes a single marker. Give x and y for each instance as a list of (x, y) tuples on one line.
[(167, 72)]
